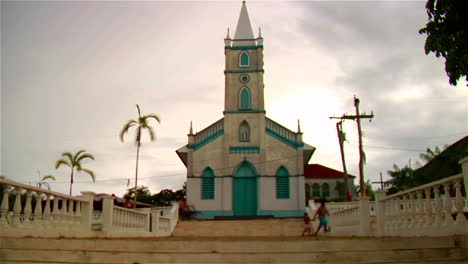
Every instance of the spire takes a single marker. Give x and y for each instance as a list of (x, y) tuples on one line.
[(299, 126), (244, 28), (191, 129)]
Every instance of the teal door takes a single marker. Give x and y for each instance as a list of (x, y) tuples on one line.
[(245, 190)]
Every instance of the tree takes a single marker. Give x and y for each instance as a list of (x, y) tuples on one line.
[(369, 190), (143, 194), (43, 181), (74, 162), (141, 123), (447, 35), (402, 179)]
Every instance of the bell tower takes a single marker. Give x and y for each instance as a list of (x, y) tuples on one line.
[(244, 68)]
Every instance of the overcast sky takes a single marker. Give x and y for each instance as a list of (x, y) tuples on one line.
[(72, 72)]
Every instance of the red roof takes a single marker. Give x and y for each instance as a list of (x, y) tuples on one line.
[(314, 171)]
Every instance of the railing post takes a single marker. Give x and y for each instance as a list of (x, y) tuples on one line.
[(380, 211), (107, 212), (16, 221), (364, 216), (28, 208), (464, 165), (37, 216), (5, 205), (87, 210)]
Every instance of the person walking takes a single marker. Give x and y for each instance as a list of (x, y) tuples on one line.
[(322, 213), (306, 224)]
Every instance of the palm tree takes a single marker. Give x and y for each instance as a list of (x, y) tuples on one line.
[(141, 123), (43, 181), (74, 161)]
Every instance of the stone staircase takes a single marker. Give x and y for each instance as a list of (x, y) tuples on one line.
[(248, 241)]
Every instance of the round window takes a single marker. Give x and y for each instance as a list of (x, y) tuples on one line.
[(244, 78)]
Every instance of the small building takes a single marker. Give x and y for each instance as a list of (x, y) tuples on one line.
[(321, 182)]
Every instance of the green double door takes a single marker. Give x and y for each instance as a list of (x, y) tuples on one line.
[(245, 190)]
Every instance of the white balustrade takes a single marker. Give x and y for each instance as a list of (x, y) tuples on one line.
[(32, 215), (435, 209)]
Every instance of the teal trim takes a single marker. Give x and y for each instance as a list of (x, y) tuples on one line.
[(282, 183), (289, 142), (244, 47), (243, 111), (245, 190), (212, 213), (207, 140), (244, 98), (208, 184), (244, 59), (244, 71), (283, 213), (244, 149)]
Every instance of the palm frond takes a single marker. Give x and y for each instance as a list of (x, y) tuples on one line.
[(155, 116), (124, 130), (48, 177), (60, 162), (85, 156), (90, 172), (151, 133), (68, 154)]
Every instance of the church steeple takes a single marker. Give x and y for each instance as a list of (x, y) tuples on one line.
[(244, 68), (244, 28)]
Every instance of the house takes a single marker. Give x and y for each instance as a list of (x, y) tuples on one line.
[(321, 182)]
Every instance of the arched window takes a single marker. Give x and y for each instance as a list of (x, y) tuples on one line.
[(208, 184), (325, 190), (315, 190), (244, 98), (307, 191), (244, 132), (244, 59), (282, 183)]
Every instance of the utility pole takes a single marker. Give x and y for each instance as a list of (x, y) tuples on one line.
[(341, 139), (358, 118)]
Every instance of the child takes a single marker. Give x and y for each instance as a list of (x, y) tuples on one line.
[(322, 213), (306, 224)]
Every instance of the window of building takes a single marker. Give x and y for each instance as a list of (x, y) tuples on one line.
[(315, 190), (282, 183), (244, 98), (244, 132), (325, 190), (244, 59), (208, 184)]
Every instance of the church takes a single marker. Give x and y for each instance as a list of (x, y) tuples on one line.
[(245, 164)]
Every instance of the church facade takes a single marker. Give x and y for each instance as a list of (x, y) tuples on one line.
[(245, 164)]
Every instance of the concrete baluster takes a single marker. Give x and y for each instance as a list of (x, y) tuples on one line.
[(428, 209), (447, 206), (37, 216), (55, 211), (459, 205), (437, 208), (78, 212), (28, 207), (411, 210), (47, 212), (419, 220), (17, 208), (71, 212), (4, 208), (64, 212)]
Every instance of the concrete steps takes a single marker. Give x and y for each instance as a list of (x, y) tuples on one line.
[(231, 250), (240, 228), (245, 241)]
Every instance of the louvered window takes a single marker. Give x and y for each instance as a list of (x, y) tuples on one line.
[(282, 183), (208, 184)]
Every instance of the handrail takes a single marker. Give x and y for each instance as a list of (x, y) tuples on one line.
[(37, 189), (425, 186)]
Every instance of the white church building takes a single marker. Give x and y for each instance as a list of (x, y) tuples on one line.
[(245, 164)]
